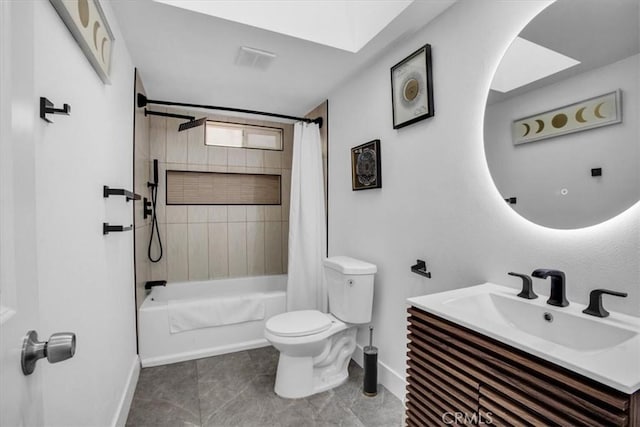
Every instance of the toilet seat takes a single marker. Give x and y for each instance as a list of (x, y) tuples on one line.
[(298, 323)]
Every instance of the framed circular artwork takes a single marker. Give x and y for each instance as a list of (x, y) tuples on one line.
[(412, 88)]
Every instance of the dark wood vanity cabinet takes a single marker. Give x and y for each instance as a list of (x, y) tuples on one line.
[(456, 376)]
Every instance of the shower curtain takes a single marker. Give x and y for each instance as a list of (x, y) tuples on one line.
[(306, 286)]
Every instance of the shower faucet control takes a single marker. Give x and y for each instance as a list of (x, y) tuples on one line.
[(146, 206)]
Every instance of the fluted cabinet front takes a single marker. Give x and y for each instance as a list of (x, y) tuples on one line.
[(456, 376)]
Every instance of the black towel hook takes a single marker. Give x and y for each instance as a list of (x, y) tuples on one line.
[(46, 107)]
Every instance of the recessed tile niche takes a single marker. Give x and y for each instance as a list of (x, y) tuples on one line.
[(220, 188)]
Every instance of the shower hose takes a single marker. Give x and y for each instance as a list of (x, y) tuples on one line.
[(154, 224)]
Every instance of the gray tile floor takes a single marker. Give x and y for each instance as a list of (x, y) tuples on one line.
[(237, 390)]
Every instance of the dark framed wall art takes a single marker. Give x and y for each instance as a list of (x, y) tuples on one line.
[(412, 88), (365, 166)]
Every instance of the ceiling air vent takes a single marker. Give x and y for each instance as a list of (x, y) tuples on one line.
[(254, 58)]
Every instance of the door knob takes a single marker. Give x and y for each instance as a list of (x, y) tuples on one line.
[(61, 346)]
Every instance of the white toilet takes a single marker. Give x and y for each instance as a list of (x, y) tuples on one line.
[(315, 347)]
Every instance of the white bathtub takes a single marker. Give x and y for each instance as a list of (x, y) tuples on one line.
[(158, 346)]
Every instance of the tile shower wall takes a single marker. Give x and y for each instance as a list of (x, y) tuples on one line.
[(210, 242), (142, 227)]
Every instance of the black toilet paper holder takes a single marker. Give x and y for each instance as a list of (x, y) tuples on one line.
[(421, 268)]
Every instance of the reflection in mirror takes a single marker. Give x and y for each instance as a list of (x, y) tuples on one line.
[(572, 163)]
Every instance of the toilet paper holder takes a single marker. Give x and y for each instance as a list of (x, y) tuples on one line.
[(421, 268)]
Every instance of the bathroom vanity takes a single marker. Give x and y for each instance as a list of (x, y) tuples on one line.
[(481, 356)]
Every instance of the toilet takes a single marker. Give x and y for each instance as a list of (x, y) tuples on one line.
[(315, 347)]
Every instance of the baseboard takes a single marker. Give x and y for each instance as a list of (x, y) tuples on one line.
[(120, 417), (390, 379), (199, 354)]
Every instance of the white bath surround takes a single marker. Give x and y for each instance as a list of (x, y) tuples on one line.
[(159, 346)]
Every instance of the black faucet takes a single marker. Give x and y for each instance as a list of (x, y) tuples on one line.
[(557, 296), (527, 286), (152, 283), (595, 307)]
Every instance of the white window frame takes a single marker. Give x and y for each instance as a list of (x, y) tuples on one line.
[(247, 130)]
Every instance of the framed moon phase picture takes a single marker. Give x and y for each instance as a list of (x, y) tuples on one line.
[(88, 25), (365, 166), (412, 88)]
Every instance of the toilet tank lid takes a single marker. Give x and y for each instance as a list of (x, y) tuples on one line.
[(348, 265)]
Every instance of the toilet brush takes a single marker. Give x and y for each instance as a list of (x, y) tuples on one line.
[(370, 387)]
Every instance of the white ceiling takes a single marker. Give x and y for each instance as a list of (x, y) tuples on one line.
[(186, 56), (594, 32), (346, 24), (525, 62)]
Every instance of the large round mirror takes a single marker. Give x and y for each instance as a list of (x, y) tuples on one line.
[(561, 121)]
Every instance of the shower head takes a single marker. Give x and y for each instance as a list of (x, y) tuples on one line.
[(191, 124)]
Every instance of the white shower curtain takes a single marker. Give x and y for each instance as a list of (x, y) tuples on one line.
[(306, 287)]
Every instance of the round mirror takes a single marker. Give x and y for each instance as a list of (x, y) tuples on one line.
[(561, 121)]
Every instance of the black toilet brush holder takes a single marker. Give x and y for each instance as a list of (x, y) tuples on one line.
[(370, 387)]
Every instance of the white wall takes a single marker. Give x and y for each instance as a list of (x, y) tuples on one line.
[(536, 172), (438, 201), (85, 278)]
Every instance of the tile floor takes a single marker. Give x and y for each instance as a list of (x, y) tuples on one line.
[(237, 390)]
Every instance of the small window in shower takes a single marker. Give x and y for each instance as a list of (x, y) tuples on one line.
[(243, 136)]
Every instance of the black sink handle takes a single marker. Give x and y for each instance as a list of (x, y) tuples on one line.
[(595, 307), (527, 286)]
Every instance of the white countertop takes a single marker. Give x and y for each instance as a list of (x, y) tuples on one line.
[(617, 366)]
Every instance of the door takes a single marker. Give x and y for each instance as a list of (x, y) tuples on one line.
[(20, 395)]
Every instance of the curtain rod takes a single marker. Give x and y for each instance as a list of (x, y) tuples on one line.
[(142, 101)]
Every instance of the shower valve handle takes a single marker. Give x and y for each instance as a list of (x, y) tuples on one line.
[(147, 210)]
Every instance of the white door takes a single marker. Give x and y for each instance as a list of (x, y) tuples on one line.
[(20, 395)]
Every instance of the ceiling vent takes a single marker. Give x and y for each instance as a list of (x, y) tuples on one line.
[(254, 58)]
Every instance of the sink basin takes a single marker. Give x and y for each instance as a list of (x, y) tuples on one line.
[(577, 332), (604, 349)]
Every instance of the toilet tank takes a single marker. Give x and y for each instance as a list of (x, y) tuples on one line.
[(350, 288)]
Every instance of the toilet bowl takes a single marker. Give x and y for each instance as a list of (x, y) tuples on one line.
[(315, 347)]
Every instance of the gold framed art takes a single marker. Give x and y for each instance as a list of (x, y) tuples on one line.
[(602, 110)]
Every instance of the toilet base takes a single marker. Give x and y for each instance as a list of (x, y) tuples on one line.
[(303, 376)]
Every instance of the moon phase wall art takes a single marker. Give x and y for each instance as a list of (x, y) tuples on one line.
[(591, 113), (88, 25), (365, 166)]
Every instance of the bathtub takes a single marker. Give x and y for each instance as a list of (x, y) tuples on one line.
[(157, 346)]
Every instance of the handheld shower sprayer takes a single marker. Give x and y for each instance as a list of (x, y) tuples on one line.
[(154, 219), (155, 174)]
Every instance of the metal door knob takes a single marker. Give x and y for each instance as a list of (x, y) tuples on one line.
[(61, 346)]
